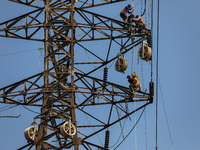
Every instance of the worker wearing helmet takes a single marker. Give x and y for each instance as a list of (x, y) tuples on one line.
[(139, 22), (126, 9), (134, 82)]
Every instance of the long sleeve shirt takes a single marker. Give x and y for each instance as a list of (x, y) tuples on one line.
[(126, 10), (139, 19)]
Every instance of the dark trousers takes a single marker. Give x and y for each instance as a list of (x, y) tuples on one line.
[(123, 16)]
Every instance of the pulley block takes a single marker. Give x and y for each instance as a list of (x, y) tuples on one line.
[(68, 129), (31, 133), (121, 65), (145, 53)]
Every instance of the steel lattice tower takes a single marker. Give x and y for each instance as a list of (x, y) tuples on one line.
[(72, 87)]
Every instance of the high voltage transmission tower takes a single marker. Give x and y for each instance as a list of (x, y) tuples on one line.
[(79, 47)]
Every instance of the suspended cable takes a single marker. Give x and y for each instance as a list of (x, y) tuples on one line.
[(30, 110), (145, 119), (160, 88), (131, 129), (6, 108), (119, 137), (165, 113), (135, 130), (17, 52), (144, 8), (91, 124), (120, 122), (158, 11)]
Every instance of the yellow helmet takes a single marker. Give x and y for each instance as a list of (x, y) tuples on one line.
[(133, 74)]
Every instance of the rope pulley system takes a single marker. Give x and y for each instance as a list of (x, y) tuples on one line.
[(31, 132), (145, 52), (68, 129), (121, 64)]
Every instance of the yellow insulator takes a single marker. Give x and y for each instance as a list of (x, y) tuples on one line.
[(121, 65), (31, 133), (65, 129), (145, 53)]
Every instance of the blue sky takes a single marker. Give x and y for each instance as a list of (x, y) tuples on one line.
[(179, 73)]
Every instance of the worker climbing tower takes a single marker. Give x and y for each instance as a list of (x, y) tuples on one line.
[(86, 54)]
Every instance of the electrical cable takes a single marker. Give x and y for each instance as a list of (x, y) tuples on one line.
[(145, 118), (90, 123), (144, 8), (8, 108), (30, 110), (17, 52), (160, 88), (131, 129), (165, 113), (158, 10)]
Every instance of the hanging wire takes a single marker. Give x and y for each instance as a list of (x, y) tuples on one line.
[(19, 52), (158, 10), (91, 124), (120, 122), (135, 129), (6, 108), (160, 88), (119, 136), (145, 119), (131, 129), (30, 110), (165, 113)]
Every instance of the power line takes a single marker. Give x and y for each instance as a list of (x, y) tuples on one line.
[(8, 54), (30, 110), (158, 10), (131, 129)]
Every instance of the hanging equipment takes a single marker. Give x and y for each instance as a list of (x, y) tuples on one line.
[(68, 129), (145, 52), (31, 133), (121, 63)]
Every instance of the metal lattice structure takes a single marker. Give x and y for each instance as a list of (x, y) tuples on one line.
[(73, 87)]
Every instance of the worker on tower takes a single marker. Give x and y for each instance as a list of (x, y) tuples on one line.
[(134, 82), (127, 9), (139, 22), (131, 18)]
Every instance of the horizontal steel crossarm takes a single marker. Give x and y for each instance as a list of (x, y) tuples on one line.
[(93, 4), (60, 3), (36, 3), (120, 87), (11, 27), (27, 2), (33, 88)]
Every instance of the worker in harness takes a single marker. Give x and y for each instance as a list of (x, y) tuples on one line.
[(127, 9), (134, 83), (139, 22)]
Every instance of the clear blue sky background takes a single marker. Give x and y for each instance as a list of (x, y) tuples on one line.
[(179, 74)]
